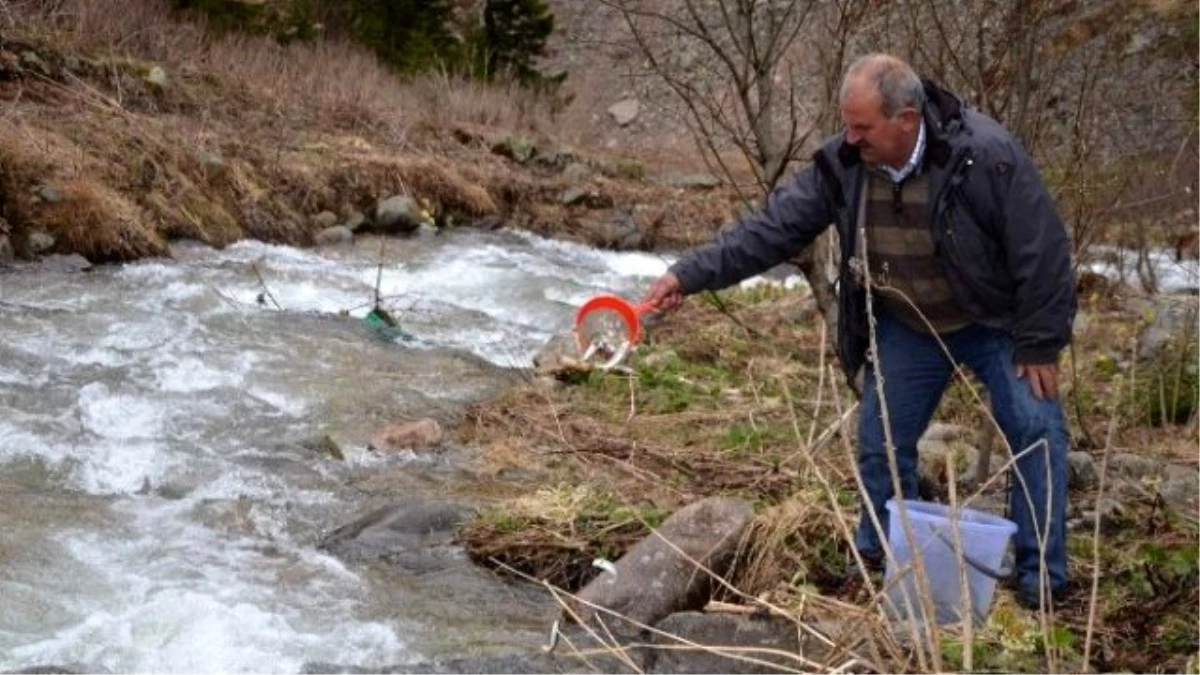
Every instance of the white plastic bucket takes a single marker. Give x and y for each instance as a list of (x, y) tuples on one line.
[(984, 540)]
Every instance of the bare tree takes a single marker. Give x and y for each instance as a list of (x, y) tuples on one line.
[(752, 79)]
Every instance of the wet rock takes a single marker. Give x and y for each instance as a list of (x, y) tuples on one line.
[(489, 223), (65, 669), (334, 236), (398, 215), (625, 112), (413, 534), (71, 263), (418, 435), (658, 576), (1081, 471), (324, 446)]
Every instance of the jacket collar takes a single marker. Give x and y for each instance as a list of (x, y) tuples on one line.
[(943, 114)]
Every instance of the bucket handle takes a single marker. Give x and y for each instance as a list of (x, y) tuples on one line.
[(999, 575)]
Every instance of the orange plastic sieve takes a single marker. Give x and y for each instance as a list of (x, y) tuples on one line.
[(607, 327)]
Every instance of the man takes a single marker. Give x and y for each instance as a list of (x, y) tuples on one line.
[(963, 245)]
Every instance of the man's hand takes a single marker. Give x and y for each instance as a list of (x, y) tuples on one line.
[(1043, 379), (665, 294)]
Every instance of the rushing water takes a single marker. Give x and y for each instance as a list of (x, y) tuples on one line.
[(159, 507)]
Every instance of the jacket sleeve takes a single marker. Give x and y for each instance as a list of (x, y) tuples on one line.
[(1038, 255), (794, 215)]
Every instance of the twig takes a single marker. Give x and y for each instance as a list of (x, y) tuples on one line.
[(1095, 591), (266, 291)]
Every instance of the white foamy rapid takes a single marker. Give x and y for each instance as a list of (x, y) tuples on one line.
[(159, 506)]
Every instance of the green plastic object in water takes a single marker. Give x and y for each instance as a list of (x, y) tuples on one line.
[(382, 323)]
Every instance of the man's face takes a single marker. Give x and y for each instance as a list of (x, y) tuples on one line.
[(880, 139)]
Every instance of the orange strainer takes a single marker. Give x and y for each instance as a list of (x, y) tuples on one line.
[(606, 328)]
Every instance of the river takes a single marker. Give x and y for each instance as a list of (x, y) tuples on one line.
[(160, 500)]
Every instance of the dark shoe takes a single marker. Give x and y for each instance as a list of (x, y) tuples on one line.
[(873, 561), (1030, 598)]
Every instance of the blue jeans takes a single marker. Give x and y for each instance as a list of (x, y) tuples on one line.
[(915, 373)]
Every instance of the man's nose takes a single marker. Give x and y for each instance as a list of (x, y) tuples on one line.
[(852, 138)]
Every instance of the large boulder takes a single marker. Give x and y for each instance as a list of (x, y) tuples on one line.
[(398, 214), (666, 572)]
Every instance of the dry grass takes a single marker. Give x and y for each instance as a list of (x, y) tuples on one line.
[(251, 138)]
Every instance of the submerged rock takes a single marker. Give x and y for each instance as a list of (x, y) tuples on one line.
[(415, 535)]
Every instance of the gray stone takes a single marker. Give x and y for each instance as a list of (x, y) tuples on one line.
[(659, 575), (943, 431), (577, 172), (513, 664), (354, 221), (215, 167), (551, 355), (693, 181), (575, 195), (398, 214), (415, 534), (617, 231), (6, 249), (1134, 467), (49, 194), (780, 640), (625, 112), (332, 236), (39, 242), (325, 219), (1081, 471), (1110, 512), (1169, 317), (157, 77), (516, 148), (1180, 486), (31, 61)]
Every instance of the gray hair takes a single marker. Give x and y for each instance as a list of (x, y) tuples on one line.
[(896, 81)]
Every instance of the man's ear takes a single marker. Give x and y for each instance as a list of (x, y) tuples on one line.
[(909, 119)]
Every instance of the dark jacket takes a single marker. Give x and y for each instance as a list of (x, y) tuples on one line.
[(997, 235)]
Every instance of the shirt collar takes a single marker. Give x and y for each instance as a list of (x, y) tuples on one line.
[(914, 160)]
